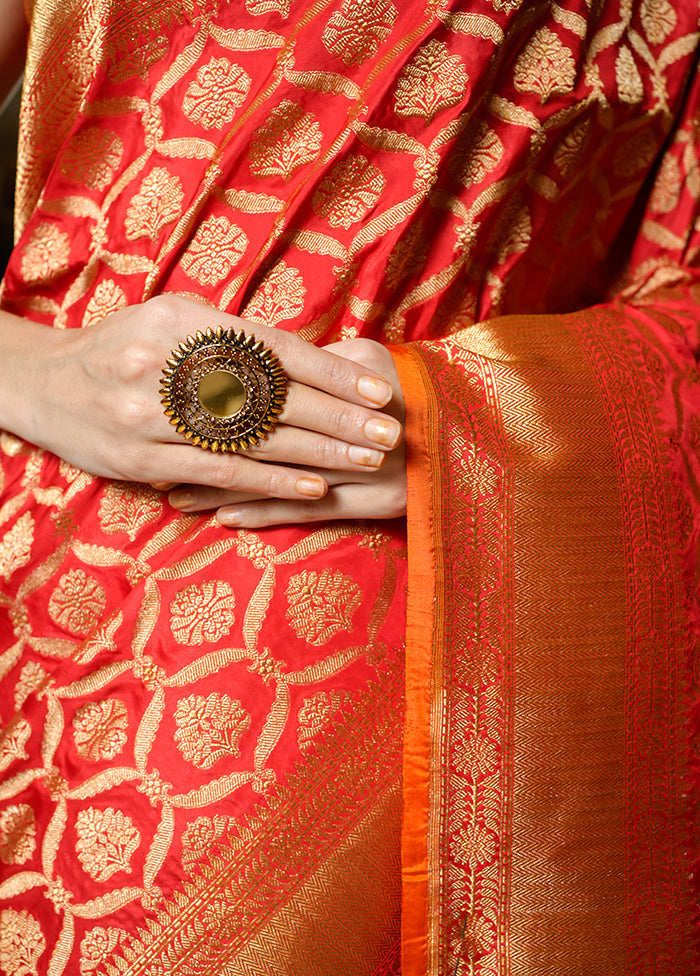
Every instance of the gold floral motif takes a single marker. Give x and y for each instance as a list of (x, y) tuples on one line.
[(200, 835), (92, 157), (13, 739), (16, 546), (434, 80), (96, 946), (658, 19), (250, 546), (108, 297), (157, 204), (146, 669), (667, 186), (156, 789), (209, 728), (258, 7), (475, 845), (474, 160), (32, 678), (629, 82), (17, 834), (513, 231), (220, 89), (106, 841), (58, 895), (55, 783), (99, 729), (314, 714), (355, 32), (546, 67), (279, 297), (126, 508), (571, 147), (46, 255), (203, 612), (289, 139), (217, 248), (634, 154), (349, 191), (408, 255), (321, 604), (22, 943), (77, 602)]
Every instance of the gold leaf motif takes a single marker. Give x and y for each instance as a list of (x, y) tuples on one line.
[(209, 728), (513, 231), (136, 60), (17, 834), (96, 946), (571, 147), (99, 729), (349, 191), (629, 82), (106, 841), (216, 249), (157, 204), (434, 80), (77, 602), (13, 739), (634, 154), (258, 7), (46, 255), (355, 32), (107, 298), (658, 19), (127, 508), (203, 612), (220, 89), (546, 67), (32, 677), (289, 139), (22, 943), (279, 297), (667, 186), (91, 157), (321, 604), (480, 156), (16, 546)]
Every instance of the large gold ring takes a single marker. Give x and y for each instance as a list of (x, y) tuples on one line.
[(223, 390)]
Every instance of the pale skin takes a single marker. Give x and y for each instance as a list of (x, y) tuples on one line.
[(91, 396)]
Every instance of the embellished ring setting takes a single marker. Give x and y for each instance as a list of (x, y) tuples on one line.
[(223, 390)]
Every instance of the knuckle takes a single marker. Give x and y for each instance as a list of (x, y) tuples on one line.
[(132, 411), (136, 360)]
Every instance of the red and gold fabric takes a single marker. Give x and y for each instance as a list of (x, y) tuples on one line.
[(210, 737)]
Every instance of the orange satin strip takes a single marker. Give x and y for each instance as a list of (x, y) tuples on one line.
[(421, 434)]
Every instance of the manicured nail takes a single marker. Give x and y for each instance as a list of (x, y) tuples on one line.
[(313, 487), (385, 432), (181, 499), (230, 517), (365, 456), (375, 390)]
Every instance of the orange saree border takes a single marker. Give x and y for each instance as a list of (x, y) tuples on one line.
[(422, 610)]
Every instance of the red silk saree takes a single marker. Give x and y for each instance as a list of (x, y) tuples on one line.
[(211, 738)]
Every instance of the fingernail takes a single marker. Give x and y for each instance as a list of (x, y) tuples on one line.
[(181, 499), (375, 390), (385, 432), (313, 487), (365, 456), (230, 517)]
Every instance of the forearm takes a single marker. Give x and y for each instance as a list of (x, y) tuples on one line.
[(13, 44)]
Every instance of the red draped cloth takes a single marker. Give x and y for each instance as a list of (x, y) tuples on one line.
[(210, 736)]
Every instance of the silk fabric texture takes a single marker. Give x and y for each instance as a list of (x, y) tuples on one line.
[(205, 729)]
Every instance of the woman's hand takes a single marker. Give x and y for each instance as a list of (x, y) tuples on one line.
[(94, 400), (352, 494)]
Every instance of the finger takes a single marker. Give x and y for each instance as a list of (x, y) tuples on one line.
[(307, 448), (233, 472), (348, 501), (317, 411)]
